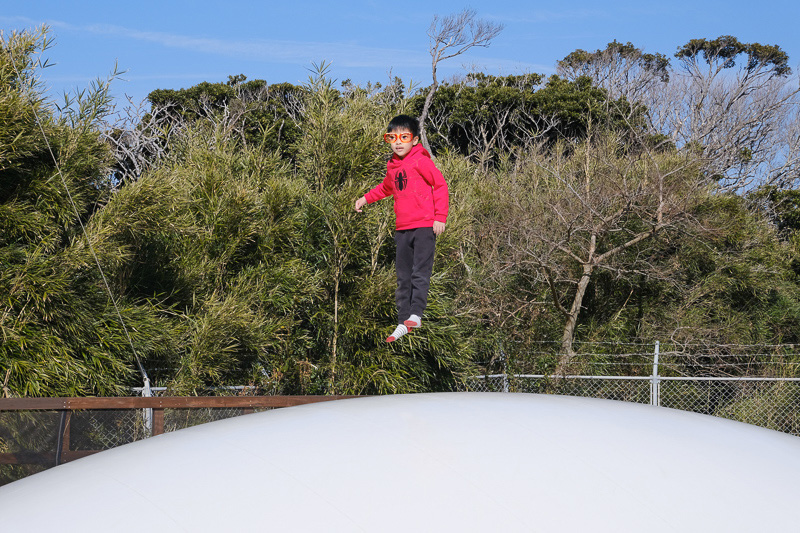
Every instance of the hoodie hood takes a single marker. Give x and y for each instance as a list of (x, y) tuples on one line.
[(416, 151)]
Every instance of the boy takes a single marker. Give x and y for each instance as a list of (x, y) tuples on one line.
[(421, 204)]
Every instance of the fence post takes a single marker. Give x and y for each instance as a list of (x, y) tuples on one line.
[(63, 435), (147, 413), (505, 367), (158, 422), (655, 382)]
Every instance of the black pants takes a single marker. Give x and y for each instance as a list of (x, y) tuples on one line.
[(414, 264)]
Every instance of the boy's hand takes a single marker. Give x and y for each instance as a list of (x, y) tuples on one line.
[(361, 202), (438, 227)]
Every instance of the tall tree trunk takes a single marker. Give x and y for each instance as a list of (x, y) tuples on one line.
[(423, 117), (334, 341), (567, 351)]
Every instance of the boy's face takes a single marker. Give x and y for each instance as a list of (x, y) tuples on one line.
[(398, 146)]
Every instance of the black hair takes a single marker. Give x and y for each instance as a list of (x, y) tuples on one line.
[(404, 122)]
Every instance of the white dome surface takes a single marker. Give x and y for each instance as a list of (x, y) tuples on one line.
[(429, 462)]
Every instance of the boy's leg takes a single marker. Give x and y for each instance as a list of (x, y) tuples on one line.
[(404, 265), (424, 249)]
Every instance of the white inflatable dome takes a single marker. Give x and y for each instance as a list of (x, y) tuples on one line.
[(429, 462)]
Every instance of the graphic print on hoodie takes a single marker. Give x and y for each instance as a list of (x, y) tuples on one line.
[(418, 187), (400, 180)]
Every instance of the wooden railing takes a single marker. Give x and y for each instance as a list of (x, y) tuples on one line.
[(67, 406)]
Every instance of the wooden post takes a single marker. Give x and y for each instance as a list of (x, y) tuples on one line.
[(158, 421)]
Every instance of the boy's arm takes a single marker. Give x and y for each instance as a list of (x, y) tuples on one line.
[(441, 195), (379, 192)]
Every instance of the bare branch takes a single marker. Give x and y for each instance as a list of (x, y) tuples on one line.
[(451, 36), (140, 138)]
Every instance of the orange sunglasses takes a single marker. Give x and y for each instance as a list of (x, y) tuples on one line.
[(404, 137)]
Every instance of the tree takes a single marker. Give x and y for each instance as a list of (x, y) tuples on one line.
[(267, 116), (732, 100), (140, 139), (209, 239), (736, 284), (737, 119), (451, 36), (60, 329), (586, 208), (487, 118), (622, 69), (257, 112)]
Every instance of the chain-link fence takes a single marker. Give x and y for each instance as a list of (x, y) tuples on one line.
[(758, 385), (768, 402)]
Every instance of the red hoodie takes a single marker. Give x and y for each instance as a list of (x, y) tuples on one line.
[(419, 190)]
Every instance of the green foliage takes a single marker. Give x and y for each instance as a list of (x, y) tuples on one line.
[(488, 116), (264, 272), (616, 52), (341, 135), (735, 281), (780, 206), (263, 115), (211, 239), (725, 50), (60, 334), (238, 258)]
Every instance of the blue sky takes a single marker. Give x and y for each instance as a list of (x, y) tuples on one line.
[(177, 43)]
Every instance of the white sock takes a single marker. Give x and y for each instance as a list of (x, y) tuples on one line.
[(399, 331), (414, 321)]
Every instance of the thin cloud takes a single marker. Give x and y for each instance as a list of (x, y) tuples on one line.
[(343, 55), (545, 15), (266, 50)]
